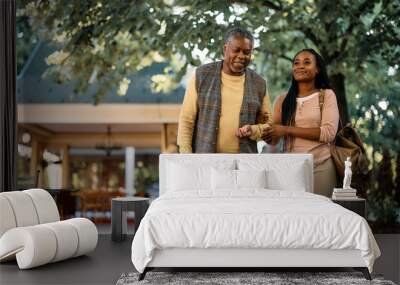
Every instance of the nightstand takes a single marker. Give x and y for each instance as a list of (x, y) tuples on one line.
[(119, 207), (357, 205)]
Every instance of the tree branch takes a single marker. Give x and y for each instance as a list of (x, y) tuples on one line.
[(310, 35), (284, 56), (272, 5), (356, 17), (266, 3), (349, 32)]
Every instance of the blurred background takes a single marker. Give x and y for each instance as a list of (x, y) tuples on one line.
[(100, 85)]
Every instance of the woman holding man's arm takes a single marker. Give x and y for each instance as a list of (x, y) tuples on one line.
[(297, 118)]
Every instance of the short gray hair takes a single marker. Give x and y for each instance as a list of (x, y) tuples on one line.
[(239, 32)]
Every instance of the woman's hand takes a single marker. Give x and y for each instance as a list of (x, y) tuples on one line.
[(244, 131), (273, 133), (265, 118)]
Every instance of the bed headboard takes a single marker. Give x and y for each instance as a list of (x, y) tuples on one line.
[(283, 160)]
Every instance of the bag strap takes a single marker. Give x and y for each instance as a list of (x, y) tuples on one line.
[(321, 100), (321, 106)]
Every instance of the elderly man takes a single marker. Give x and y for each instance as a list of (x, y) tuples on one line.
[(221, 97)]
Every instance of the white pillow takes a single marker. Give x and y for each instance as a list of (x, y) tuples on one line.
[(251, 178), (186, 175), (183, 177), (226, 179), (223, 179), (281, 174), (293, 180)]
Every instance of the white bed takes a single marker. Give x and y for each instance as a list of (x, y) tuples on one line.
[(247, 210)]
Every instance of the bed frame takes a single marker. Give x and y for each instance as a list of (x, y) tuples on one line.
[(246, 258)]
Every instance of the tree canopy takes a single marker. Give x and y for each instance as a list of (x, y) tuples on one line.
[(103, 41)]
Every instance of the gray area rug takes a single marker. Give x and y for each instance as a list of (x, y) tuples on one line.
[(243, 278)]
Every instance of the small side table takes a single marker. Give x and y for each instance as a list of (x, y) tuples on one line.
[(119, 207), (357, 205)]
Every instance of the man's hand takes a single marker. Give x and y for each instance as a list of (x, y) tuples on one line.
[(273, 133), (244, 131)]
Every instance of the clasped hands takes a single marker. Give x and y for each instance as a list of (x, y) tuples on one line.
[(270, 133)]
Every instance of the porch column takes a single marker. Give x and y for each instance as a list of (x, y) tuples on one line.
[(130, 170)]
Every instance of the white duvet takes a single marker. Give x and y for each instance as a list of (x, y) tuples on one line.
[(252, 218)]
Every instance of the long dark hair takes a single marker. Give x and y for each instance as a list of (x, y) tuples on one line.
[(289, 104)]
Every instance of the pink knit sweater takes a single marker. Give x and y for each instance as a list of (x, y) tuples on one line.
[(308, 116)]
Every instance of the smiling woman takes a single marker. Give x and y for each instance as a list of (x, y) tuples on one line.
[(302, 123)]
